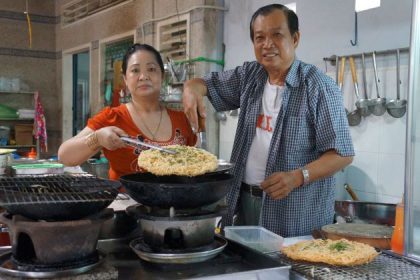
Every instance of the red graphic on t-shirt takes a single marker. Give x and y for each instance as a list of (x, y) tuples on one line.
[(264, 122)]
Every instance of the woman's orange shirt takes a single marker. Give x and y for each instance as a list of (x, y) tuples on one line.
[(124, 161)]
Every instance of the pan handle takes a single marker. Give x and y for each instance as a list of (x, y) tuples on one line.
[(351, 192)]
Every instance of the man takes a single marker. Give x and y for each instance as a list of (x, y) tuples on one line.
[(292, 133)]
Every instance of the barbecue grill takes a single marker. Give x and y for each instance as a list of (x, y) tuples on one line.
[(56, 197)]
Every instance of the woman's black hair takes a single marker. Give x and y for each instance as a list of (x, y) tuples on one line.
[(139, 47), (292, 19)]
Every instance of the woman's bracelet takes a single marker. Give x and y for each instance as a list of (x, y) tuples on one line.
[(92, 141)]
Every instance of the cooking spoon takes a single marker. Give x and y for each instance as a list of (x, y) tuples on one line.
[(369, 103), (354, 118), (397, 107), (135, 143), (361, 104), (378, 105), (340, 75)]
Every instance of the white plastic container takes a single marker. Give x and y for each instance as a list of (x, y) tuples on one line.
[(255, 237)]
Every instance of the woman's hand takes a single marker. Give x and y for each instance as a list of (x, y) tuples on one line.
[(192, 99), (109, 137)]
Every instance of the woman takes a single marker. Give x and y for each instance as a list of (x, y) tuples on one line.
[(144, 118)]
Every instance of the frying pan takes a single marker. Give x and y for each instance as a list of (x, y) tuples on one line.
[(177, 191)]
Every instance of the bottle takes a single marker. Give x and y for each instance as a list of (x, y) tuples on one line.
[(397, 240), (32, 154)]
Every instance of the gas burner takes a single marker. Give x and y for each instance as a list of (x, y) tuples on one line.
[(164, 228), (9, 266), (178, 256)]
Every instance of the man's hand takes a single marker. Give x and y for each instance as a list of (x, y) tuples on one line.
[(192, 100), (280, 184)]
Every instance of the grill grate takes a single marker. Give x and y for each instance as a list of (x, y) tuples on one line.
[(55, 189), (383, 267)]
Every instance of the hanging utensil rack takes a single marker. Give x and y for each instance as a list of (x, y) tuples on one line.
[(333, 58)]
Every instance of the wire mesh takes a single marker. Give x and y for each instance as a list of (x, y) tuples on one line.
[(383, 267), (55, 189)]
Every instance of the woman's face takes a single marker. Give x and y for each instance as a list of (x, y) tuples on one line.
[(143, 76), (274, 46)]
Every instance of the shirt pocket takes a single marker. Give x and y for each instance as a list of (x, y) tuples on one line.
[(298, 134)]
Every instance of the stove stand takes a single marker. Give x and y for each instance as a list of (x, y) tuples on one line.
[(189, 255), (9, 267)]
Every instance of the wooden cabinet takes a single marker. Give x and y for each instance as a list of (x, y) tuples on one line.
[(20, 136)]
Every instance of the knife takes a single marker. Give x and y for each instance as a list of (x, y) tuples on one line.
[(136, 143)]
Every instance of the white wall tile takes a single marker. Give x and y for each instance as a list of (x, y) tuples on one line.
[(362, 174), (391, 174)]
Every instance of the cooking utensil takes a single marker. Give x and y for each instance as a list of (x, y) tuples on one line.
[(340, 75), (57, 198), (369, 103), (354, 118), (378, 105), (202, 132), (349, 189), (378, 236), (365, 212), (136, 143), (361, 104), (176, 191), (397, 107)]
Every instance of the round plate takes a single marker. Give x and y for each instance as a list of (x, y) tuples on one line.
[(183, 257), (10, 268)]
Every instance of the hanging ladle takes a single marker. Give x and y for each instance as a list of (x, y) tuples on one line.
[(365, 113), (361, 104), (354, 118), (378, 105), (340, 75), (397, 107)]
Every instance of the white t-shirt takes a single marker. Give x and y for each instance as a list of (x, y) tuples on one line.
[(258, 155)]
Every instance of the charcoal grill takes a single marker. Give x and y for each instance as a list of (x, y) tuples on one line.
[(56, 197)]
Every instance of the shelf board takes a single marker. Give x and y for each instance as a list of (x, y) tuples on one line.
[(17, 146), (19, 120), (16, 92)]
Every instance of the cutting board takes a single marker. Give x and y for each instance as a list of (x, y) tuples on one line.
[(378, 236)]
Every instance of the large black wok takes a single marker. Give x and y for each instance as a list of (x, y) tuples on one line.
[(177, 191), (366, 212)]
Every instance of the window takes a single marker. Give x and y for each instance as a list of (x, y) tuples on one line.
[(173, 37)]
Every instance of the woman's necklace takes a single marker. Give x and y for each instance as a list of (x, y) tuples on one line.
[(158, 126)]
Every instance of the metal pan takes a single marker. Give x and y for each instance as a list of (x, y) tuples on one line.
[(177, 191)]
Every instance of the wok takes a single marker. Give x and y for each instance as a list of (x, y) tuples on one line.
[(366, 212), (177, 191)]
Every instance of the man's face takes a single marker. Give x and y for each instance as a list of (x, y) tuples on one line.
[(274, 46)]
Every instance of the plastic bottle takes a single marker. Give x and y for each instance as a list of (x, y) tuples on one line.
[(397, 240)]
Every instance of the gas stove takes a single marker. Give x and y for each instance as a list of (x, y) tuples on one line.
[(236, 261)]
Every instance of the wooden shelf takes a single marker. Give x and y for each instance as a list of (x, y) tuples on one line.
[(17, 146), (17, 92)]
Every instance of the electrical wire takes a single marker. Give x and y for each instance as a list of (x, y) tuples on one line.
[(28, 20)]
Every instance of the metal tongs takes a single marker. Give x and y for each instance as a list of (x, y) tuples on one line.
[(136, 143)]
